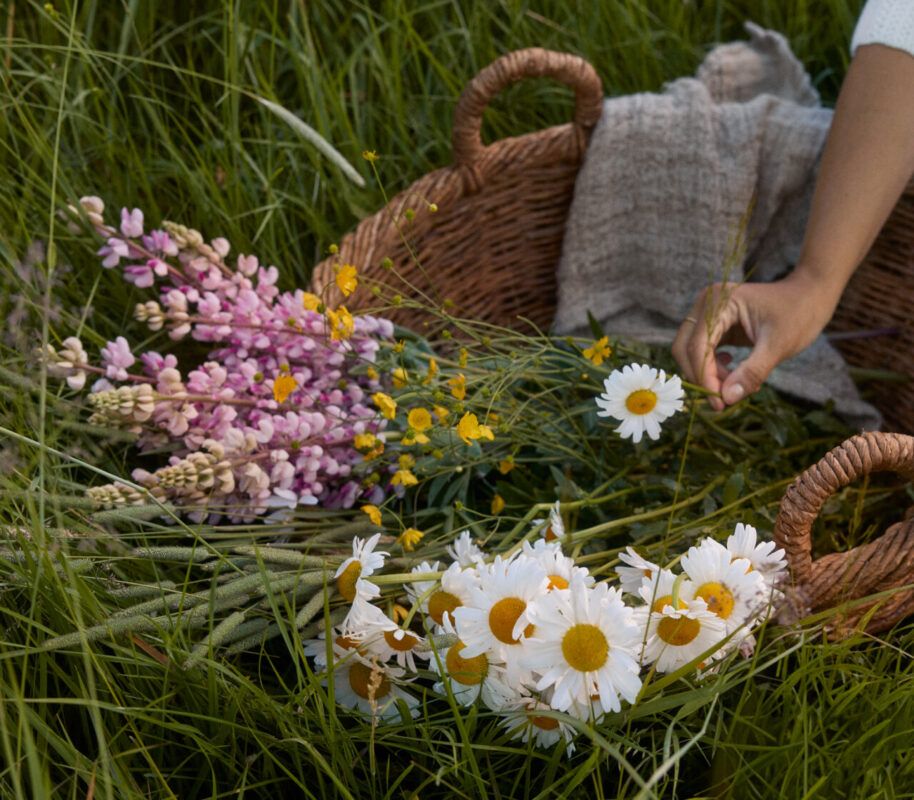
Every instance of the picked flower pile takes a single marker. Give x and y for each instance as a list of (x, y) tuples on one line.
[(272, 416), (530, 632)]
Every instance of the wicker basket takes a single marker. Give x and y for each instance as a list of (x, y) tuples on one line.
[(882, 566), (493, 246)]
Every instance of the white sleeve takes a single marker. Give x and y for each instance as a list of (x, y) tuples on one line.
[(888, 22)]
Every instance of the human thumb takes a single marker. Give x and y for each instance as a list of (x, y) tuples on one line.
[(749, 376)]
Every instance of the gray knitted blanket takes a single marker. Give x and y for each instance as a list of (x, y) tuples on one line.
[(672, 180)]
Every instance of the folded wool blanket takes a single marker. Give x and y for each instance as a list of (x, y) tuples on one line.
[(710, 179)]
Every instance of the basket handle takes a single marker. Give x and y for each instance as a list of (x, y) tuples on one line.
[(804, 498), (533, 62)]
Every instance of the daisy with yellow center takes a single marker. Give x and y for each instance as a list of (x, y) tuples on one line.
[(381, 637), (728, 587), (340, 646), (559, 568), (762, 556), (347, 279), (494, 621), (471, 679), (585, 643), (527, 718), (470, 430), (635, 570), (439, 599), (351, 575), (641, 398), (599, 351), (465, 551), (371, 688)]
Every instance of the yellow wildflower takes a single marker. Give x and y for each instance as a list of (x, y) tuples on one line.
[(463, 357), (386, 404), (432, 371), (372, 374), (404, 477), (410, 538), (347, 279), (342, 324), (399, 346), (370, 156), (458, 386), (283, 386), (406, 461), (469, 429), (373, 512), (400, 376), (506, 465), (419, 419), (599, 351), (364, 441), (441, 412), (498, 504), (311, 302)]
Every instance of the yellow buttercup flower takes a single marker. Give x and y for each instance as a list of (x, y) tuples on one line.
[(498, 504), (441, 412), (283, 386), (370, 156), (419, 419), (386, 404), (372, 374), (373, 512), (400, 377), (364, 441), (400, 346), (311, 302), (406, 461), (458, 386), (432, 371), (599, 351), (404, 477), (410, 538), (347, 279), (469, 429), (506, 465), (342, 324)]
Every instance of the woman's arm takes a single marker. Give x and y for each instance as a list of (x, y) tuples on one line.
[(867, 161)]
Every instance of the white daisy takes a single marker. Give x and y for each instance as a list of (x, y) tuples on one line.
[(637, 570), (560, 569), (675, 636), (555, 529), (762, 556), (439, 599), (641, 397), (494, 621), (465, 551), (340, 646), (380, 636), (471, 678), (729, 588), (370, 687), (350, 577), (585, 642), (524, 720)]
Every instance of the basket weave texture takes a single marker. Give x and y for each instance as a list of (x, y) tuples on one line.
[(882, 565), (493, 246)]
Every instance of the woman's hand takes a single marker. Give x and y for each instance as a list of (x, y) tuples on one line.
[(776, 319)]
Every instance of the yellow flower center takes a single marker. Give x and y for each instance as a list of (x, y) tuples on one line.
[(404, 645), (346, 582), (557, 582), (363, 680), (678, 632), (441, 603), (666, 600), (346, 643), (544, 723), (585, 647), (718, 597), (641, 401), (468, 671), (503, 617)]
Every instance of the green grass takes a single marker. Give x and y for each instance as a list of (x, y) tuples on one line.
[(153, 104)]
